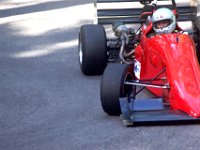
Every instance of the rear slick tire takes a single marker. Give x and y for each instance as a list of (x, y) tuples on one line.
[(92, 49)]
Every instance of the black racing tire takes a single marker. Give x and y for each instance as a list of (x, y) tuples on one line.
[(112, 87), (196, 36), (196, 26), (92, 49), (198, 51), (197, 15)]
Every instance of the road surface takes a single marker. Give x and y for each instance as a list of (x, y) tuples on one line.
[(46, 103)]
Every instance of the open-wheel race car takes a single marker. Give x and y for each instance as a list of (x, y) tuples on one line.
[(96, 49), (165, 63)]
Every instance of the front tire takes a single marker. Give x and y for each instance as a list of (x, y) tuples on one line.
[(112, 87)]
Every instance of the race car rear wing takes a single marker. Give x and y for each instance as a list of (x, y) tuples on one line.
[(129, 11)]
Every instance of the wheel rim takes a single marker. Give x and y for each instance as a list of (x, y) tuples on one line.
[(80, 52), (129, 90)]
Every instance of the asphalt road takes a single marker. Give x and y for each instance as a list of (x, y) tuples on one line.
[(46, 103)]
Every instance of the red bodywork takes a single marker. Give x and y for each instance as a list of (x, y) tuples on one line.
[(175, 52)]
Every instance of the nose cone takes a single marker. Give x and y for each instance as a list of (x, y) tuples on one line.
[(183, 73), (187, 84)]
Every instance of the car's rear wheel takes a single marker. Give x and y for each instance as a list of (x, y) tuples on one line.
[(198, 50), (113, 87), (92, 49), (196, 26), (196, 37)]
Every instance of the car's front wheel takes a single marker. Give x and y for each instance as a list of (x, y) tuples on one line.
[(113, 87)]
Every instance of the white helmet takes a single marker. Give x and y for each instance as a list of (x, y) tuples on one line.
[(164, 14)]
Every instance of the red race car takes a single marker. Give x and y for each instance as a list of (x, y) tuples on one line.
[(162, 60)]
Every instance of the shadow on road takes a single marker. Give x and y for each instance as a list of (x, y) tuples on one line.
[(33, 82)]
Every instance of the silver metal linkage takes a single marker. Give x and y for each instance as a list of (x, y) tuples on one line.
[(165, 86)]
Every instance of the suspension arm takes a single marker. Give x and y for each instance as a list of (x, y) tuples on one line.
[(165, 86)]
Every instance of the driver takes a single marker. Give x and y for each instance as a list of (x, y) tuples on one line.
[(164, 21)]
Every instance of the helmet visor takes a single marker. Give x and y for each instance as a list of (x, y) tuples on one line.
[(162, 24)]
